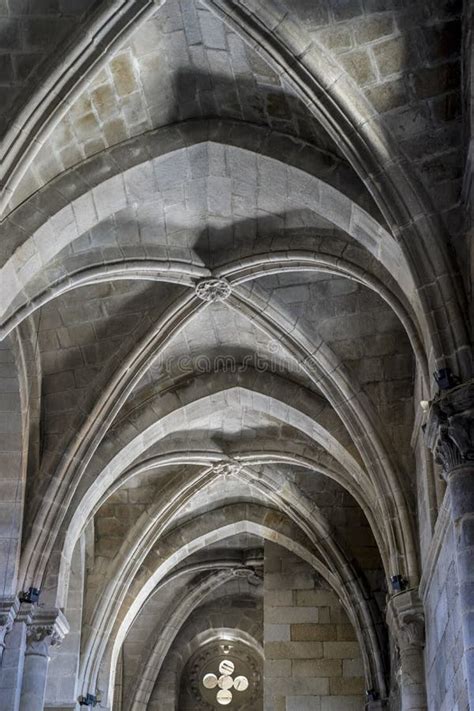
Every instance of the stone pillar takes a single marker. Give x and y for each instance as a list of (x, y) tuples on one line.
[(48, 627), (450, 434), (405, 620), (12, 650), (61, 687), (8, 611)]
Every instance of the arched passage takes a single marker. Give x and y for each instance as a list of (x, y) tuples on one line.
[(261, 530)]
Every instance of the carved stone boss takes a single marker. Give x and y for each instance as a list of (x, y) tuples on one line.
[(213, 289), (227, 468)]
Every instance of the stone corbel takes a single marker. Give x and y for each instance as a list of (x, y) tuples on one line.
[(406, 620), (46, 629), (449, 431), (8, 612)]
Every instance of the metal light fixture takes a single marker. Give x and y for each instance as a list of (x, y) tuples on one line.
[(31, 595), (445, 379), (399, 584), (372, 695)]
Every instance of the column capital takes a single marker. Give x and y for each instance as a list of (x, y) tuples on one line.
[(8, 611), (449, 431), (46, 628), (406, 619)]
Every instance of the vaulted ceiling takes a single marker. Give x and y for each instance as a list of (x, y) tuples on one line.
[(217, 289)]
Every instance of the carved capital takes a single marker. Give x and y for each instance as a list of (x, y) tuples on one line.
[(211, 290), (449, 431), (46, 629), (406, 620), (8, 612), (39, 638)]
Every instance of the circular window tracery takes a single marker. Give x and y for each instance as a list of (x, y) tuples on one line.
[(226, 667), (225, 675), (225, 682), (224, 697), (210, 681), (241, 683)]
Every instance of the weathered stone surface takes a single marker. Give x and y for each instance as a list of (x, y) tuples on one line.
[(310, 667)]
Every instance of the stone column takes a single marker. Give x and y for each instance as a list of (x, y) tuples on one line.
[(405, 620), (12, 650), (46, 628), (8, 611), (450, 434), (61, 686)]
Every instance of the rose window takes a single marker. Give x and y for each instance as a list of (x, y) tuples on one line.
[(222, 674), (225, 683)]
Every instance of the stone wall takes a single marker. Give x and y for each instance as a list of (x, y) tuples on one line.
[(312, 659), (29, 33), (445, 673)]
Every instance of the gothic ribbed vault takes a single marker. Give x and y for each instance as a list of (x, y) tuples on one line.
[(234, 248)]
